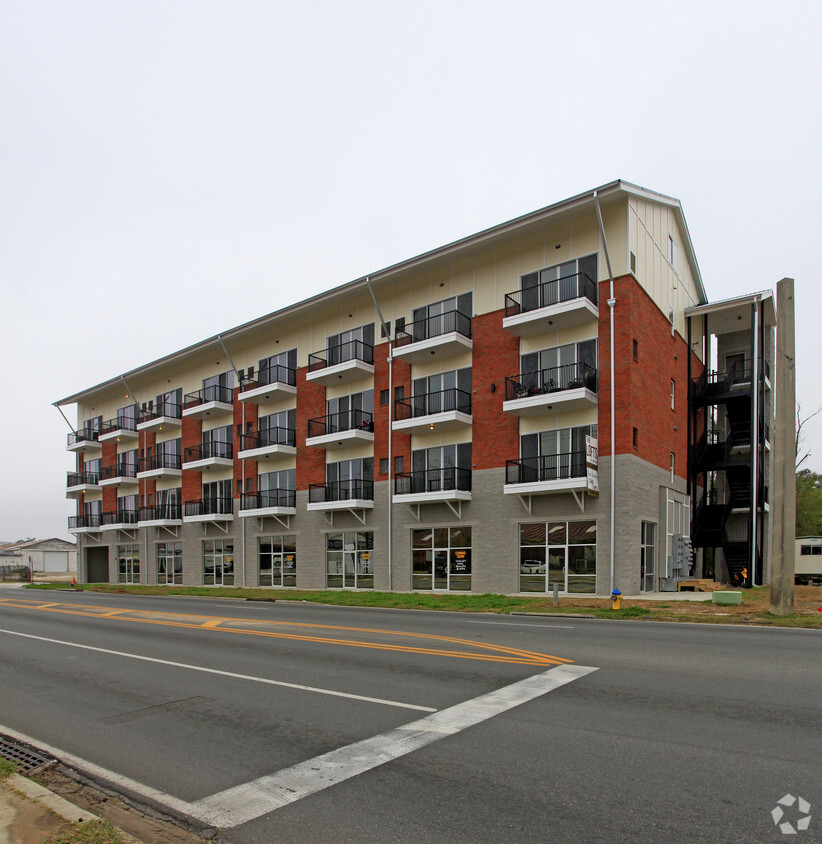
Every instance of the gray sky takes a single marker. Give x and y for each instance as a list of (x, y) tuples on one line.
[(166, 167)]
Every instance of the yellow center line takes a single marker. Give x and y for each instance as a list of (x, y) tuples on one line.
[(498, 653)]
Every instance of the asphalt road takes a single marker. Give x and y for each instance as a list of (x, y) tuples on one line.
[(295, 722)]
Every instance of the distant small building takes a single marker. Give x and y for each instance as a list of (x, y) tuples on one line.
[(808, 560), (41, 555)]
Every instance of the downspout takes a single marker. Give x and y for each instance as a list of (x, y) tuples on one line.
[(387, 331), (611, 304), (755, 485), (242, 462)]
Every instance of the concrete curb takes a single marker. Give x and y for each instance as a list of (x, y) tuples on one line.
[(48, 800)]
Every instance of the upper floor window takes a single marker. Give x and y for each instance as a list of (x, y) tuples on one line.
[(280, 368), (673, 253), (560, 283), (218, 387), (443, 317), (561, 367), (348, 345)]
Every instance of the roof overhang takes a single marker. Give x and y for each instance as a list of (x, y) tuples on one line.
[(724, 315)]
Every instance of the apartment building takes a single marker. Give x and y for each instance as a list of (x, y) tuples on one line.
[(505, 413)]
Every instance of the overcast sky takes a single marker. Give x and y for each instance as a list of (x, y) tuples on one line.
[(167, 167)]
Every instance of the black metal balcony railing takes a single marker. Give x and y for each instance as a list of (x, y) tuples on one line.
[(432, 480), (161, 512), (209, 507), (347, 420), (355, 488), (208, 451), (89, 520), (720, 382), (83, 435), (548, 467), (275, 374), (427, 404), (121, 470), (121, 423), (564, 289), (350, 350), (268, 436), (434, 326), (208, 394), (120, 517), (80, 478), (167, 409), (572, 376), (159, 461), (269, 498)]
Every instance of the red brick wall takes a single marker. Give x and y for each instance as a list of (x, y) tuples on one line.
[(148, 440), (109, 458), (401, 444), (642, 386), (251, 415), (192, 435), (496, 355), (310, 405)]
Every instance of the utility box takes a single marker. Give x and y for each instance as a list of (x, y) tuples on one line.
[(726, 597)]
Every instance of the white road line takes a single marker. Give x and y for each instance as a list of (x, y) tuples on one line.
[(225, 673), (243, 803), (519, 624)]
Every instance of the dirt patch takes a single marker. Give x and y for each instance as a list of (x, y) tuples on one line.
[(25, 821)]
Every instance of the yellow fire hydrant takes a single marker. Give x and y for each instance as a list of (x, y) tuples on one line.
[(616, 598)]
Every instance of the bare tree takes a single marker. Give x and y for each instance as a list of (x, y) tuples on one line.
[(800, 439)]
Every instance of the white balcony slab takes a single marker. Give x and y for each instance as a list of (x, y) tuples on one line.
[(85, 445), (81, 489), (76, 530), (340, 373), (119, 480), (433, 348), (275, 390), (347, 504), (210, 517), (209, 408), (341, 438), (546, 487), (266, 451), (119, 434), (552, 317), (160, 523), (259, 512), (160, 422), (445, 421), (208, 463), (160, 473), (561, 400), (433, 497)]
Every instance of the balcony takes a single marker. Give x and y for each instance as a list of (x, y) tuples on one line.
[(569, 387), (210, 401), (269, 502), (440, 411), (209, 510), (267, 442), (160, 466), (161, 515), (342, 495), (209, 455), (275, 382), (547, 474), (122, 428), (123, 474), (340, 428), (434, 337), (164, 415), (552, 305), (339, 364), (78, 483), (83, 440), (89, 523), (119, 520), (432, 485)]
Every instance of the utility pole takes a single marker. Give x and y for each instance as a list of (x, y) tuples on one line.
[(784, 500)]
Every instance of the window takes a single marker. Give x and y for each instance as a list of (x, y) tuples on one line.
[(635, 345), (441, 467), (647, 557), (169, 403), (127, 417), (635, 438), (553, 455), (673, 253), (673, 393), (560, 283), (673, 461), (169, 563), (127, 463), (439, 393), (806, 550), (218, 562), (168, 503), (383, 465), (349, 412), (277, 428), (453, 314), (385, 329), (399, 463), (349, 560), (564, 553), (279, 368), (399, 392), (216, 442), (561, 368), (277, 557), (276, 489), (633, 263), (384, 398), (128, 563), (441, 558), (217, 497), (348, 479), (219, 387), (353, 344)]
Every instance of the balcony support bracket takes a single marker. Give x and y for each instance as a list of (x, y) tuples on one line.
[(128, 534), (415, 510), (580, 499), (358, 515), (457, 511), (218, 525), (526, 504), (174, 531)]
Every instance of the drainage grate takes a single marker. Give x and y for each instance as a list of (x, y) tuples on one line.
[(26, 759)]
